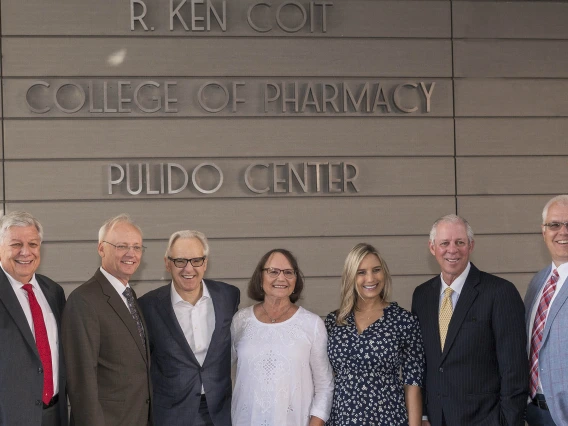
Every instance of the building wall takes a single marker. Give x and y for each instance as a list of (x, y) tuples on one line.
[(491, 145)]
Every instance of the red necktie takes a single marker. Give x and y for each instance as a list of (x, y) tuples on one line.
[(538, 328), (42, 344)]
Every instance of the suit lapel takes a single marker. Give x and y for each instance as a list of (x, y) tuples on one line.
[(433, 304), (532, 295), (218, 306), (557, 304), (116, 302), (10, 301), (467, 297), (166, 311)]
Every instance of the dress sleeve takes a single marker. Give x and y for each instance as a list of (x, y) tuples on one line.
[(322, 374), (413, 362), (234, 325)]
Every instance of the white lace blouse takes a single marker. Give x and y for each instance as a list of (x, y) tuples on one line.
[(283, 373)]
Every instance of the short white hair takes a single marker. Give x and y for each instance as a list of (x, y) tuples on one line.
[(19, 218), (559, 199), (113, 221), (451, 218), (186, 235)]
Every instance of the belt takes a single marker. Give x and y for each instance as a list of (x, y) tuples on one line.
[(52, 402), (540, 401)]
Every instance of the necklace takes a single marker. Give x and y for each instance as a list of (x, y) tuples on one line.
[(273, 320), (368, 317)]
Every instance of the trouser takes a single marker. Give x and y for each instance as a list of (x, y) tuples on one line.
[(203, 417)]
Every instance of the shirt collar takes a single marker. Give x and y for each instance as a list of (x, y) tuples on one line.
[(16, 285), (115, 282), (562, 271), (176, 298), (458, 283)]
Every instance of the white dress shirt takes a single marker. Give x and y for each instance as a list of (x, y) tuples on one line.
[(196, 321), (563, 275), (118, 286), (48, 319), (456, 286)]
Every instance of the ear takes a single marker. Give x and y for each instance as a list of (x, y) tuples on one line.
[(205, 264), (471, 246), (432, 247), (543, 232), (101, 250), (167, 263)]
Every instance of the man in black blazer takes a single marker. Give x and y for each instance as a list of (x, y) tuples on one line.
[(32, 374), (190, 341), (480, 377)]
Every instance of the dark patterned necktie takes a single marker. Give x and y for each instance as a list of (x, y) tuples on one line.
[(129, 294)]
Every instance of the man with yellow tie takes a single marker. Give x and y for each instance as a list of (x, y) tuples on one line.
[(474, 340)]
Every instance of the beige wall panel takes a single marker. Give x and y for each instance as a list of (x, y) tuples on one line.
[(63, 57), (511, 175), (521, 281), (235, 218), (511, 58), (509, 98), (80, 180), (355, 18), (228, 138), (236, 258), (506, 136), (504, 214), (500, 254), (256, 97), (511, 19)]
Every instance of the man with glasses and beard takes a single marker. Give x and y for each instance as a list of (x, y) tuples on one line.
[(190, 341)]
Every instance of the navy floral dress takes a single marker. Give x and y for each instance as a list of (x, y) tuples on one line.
[(369, 388)]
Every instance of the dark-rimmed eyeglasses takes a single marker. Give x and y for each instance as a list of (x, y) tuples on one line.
[(123, 248), (180, 262), (275, 272), (556, 226)]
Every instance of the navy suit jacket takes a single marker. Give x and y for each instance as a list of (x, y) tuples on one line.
[(21, 373), (481, 377), (176, 374)]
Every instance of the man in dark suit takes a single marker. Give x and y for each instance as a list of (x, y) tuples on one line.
[(104, 337), (32, 373), (473, 329), (189, 326)]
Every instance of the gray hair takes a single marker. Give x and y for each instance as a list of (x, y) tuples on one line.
[(19, 218), (559, 199), (186, 235), (451, 218), (113, 221)]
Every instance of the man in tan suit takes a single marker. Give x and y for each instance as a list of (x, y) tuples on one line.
[(104, 337)]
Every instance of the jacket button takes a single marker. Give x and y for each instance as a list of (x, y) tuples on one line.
[(441, 370), (148, 401), (39, 370), (38, 402)]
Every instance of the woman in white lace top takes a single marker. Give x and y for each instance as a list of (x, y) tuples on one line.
[(283, 373)]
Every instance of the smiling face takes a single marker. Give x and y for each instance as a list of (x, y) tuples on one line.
[(121, 265), (187, 280), (280, 286), (556, 241), (370, 278), (20, 252), (451, 249)]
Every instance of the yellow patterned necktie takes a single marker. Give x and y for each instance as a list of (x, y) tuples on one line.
[(446, 311)]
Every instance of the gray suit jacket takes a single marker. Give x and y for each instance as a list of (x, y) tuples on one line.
[(21, 373), (177, 376), (108, 368), (553, 356)]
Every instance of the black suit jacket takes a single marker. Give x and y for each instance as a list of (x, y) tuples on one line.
[(481, 377), (21, 373), (177, 376)]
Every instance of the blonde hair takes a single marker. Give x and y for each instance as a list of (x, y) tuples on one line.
[(349, 292)]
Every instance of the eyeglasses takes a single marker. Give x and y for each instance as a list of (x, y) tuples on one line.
[(123, 248), (275, 272), (556, 226), (180, 262)]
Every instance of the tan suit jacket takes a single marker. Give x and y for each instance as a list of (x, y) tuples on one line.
[(107, 365)]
